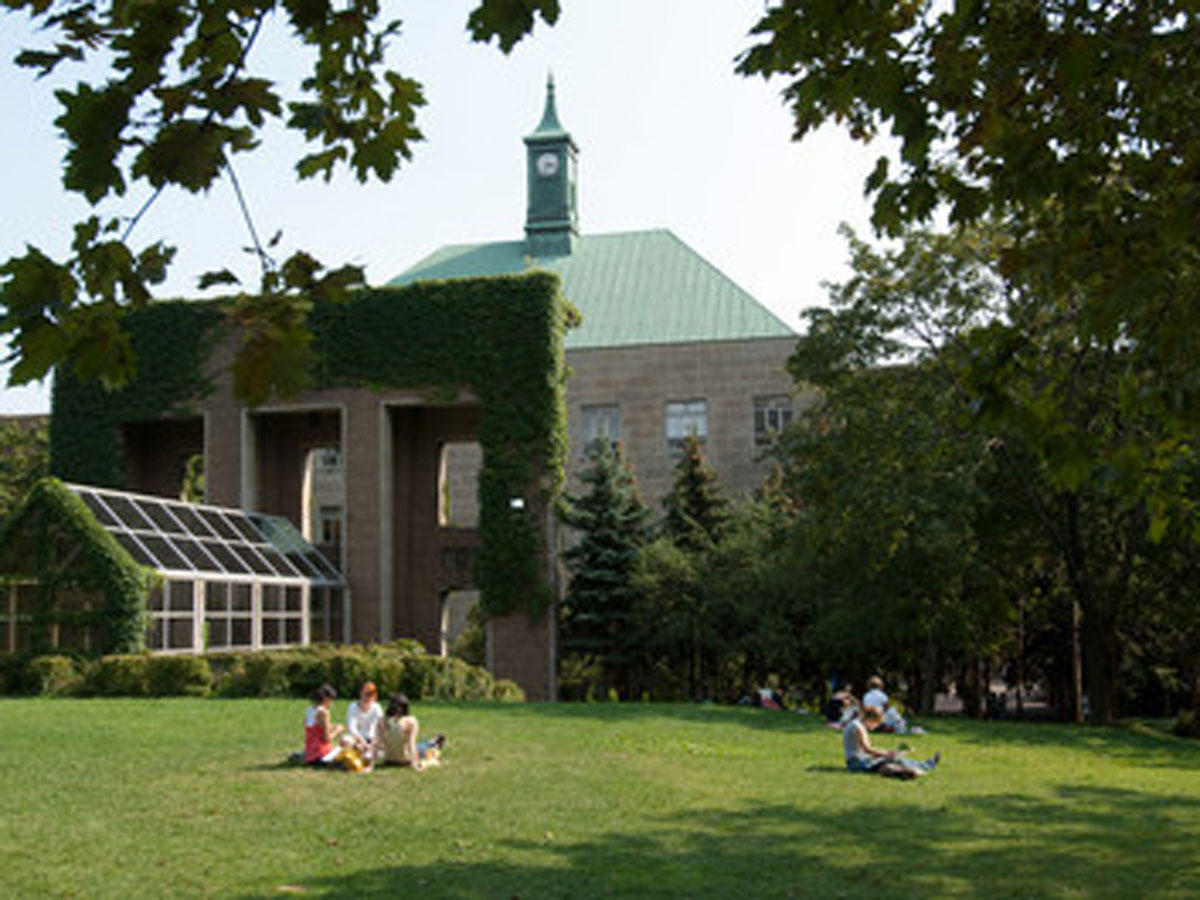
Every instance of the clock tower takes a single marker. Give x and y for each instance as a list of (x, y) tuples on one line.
[(551, 217)]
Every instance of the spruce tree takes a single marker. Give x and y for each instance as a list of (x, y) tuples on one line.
[(695, 510), (610, 519)]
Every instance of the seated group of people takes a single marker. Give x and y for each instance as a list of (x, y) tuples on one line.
[(844, 707), (856, 721), (370, 736)]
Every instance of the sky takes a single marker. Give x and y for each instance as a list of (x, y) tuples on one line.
[(669, 137)]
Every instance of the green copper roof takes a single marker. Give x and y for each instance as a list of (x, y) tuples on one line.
[(632, 287)]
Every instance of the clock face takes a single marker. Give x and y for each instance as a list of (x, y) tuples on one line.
[(547, 164)]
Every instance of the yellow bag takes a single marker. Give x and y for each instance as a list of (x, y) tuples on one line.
[(352, 760)]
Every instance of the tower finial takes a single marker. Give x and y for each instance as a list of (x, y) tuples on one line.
[(549, 123)]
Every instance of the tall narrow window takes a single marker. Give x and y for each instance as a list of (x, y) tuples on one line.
[(329, 525), (684, 418), (771, 416)]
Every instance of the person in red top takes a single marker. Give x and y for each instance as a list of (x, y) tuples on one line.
[(319, 730)]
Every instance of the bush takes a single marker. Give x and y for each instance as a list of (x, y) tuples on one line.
[(188, 676), (397, 666), (261, 674), (54, 675), (117, 676), (507, 691)]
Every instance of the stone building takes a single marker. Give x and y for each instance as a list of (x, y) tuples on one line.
[(384, 479), (669, 345)]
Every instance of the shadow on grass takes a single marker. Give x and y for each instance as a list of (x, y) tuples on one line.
[(1079, 841)]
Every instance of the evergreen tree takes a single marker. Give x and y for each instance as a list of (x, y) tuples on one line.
[(695, 510), (611, 521)]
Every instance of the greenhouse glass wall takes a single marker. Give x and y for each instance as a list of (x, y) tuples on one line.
[(226, 579)]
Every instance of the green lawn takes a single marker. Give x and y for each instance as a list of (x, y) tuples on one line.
[(181, 797)]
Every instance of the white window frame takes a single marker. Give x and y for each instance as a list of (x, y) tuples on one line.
[(599, 421), (772, 414), (685, 418)]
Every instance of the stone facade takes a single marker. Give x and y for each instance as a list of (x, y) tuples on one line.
[(640, 383), (669, 346)]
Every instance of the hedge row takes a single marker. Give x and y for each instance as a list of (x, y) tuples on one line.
[(399, 666)]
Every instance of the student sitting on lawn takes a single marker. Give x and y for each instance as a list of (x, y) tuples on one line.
[(362, 721), (319, 732), (862, 757), (398, 738)]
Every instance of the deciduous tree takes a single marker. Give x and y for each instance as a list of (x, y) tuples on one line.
[(1072, 122), (180, 96)]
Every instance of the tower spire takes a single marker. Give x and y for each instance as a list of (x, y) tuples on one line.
[(549, 124), (551, 217)]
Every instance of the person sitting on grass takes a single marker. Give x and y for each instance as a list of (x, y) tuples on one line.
[(398, 737), (327, 745), (362, 721), (862, 757), (319, 732)]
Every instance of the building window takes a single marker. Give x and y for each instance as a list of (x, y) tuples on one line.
[(600, 423), (689, 417), (329, 525), (327, 459), (771, 416)]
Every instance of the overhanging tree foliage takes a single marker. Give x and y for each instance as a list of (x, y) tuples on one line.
[(1072, 123), (181, 96)]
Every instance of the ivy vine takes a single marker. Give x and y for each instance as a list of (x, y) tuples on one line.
[(500, 338), (40, 540)]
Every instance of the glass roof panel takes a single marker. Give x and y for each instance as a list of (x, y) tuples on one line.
[(252, 560), (217, 523), (193, 523), (174, 536), (128, 513), (277, 561), (195, 554), (163, 521), (229, 561), (136, 550), (246, 528), (168, 556), (99, 510), (300, 561)]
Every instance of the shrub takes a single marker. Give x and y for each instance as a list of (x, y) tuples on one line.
[(262, 674), (119, 675), (397, 666), (349, 667), (507, 691), (54, 675), (188, 676)]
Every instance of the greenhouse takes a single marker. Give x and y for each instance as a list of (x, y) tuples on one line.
[(93, 570)]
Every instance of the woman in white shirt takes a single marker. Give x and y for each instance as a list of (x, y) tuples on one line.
[(875, 695), (362, 720)]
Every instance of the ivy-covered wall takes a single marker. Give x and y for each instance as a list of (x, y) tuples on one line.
[(172, 341), (500, 338), (55, 539)]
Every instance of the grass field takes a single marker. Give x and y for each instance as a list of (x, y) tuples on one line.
[(177, 797)]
